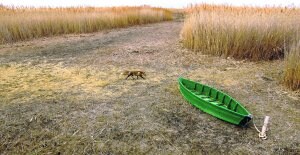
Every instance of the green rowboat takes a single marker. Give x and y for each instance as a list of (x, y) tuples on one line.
[(214, 102)]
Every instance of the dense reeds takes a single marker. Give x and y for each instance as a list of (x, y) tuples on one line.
[(25, 23), (241, 32), (246, 33), (292, 67)]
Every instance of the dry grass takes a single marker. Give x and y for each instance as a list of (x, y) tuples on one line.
[(241, 32), (246, 33), (292, 67), (134, 116), (25, 23), (24, 83)]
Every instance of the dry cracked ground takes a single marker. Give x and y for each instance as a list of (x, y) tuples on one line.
[(65, 95)]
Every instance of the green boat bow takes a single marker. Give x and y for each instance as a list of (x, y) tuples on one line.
[(214, 102)]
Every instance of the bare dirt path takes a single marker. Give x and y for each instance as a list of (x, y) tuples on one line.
[(66, 95)]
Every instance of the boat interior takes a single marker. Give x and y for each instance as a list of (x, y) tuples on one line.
[(214, 96)]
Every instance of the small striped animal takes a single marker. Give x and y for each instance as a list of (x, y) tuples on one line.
[(134, 73)]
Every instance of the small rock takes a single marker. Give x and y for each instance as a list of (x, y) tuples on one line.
[(135, 51)]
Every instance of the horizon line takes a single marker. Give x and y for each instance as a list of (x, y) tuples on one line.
[(147, 5)]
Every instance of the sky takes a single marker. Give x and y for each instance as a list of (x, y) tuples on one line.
[(156, 3)]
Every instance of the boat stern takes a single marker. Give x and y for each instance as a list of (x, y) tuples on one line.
[(245, 121)]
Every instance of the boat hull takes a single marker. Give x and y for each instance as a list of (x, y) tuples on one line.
[(219, 105)]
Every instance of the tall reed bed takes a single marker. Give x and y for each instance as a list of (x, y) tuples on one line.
[(246, 33), (292, 67), (241, 32), (25, 23)]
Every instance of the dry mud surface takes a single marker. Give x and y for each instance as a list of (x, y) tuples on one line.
[(65, 95)]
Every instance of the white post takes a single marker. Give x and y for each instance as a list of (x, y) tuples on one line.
[(263, 134)]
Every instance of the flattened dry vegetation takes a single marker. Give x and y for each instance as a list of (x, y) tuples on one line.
[(25, 82), (64, 95)]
